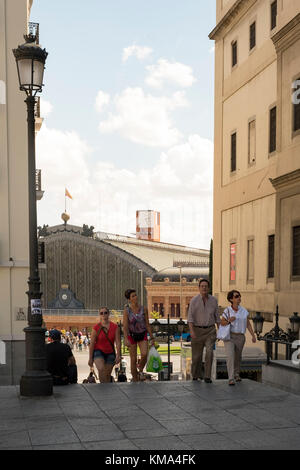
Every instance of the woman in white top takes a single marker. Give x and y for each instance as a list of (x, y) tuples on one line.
[(237, 317)]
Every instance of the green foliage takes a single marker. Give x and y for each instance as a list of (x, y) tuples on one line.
[(155, 315)]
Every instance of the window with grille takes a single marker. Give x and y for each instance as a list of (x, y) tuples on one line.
[(296, 251), (233, 152), (273, 118), (250, 261), (271, 254), (251, 141), (273, 14), (234, 53), (296, 101), (252, 35)]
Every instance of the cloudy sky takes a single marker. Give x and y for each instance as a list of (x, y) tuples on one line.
[(128, 108)]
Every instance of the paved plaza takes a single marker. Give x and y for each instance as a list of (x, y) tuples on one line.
[(154, 416)]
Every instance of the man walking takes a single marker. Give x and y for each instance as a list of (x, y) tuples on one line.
[(202, 316)]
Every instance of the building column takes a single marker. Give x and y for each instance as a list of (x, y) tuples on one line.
[(183, 313), (166, 306)]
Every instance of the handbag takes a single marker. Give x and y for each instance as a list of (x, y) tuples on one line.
[(91, 379), (137, 337), (224, 331)]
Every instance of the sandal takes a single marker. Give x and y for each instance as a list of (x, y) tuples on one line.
[(238, 379), (231, 382)]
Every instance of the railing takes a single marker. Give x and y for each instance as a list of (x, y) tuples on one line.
[(37, 112), (190, 264), (277, 336), (76, 312), (38, 180), (34, 30)]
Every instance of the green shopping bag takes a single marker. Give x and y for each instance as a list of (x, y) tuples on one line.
[(154, 362)]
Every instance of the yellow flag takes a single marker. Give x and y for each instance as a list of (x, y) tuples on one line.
[(68, 194)]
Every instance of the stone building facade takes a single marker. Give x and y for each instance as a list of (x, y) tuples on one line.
[(171, 290), (257, 147), (14, 228)]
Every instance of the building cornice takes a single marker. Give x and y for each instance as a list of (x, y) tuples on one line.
[(237, 10), (286, 180), (287, 35)]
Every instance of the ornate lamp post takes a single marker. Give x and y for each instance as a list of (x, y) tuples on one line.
[(36, 381), (156, 326), (295, 324), (277, 336), (180, 326), (258, 322)]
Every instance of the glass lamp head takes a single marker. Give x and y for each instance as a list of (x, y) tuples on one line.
[(30, 59)]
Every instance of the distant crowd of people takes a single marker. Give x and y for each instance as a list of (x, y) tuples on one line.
[(104, 343), (76, 340)]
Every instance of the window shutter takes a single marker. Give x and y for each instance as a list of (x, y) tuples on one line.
[(234, 53), (233, 152), (252, 141), (273, 119), (274, 15), (253, 35), (250, 264), (296, 251), (271, 253)]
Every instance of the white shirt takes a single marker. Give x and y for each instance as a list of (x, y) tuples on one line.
[(239, 325)]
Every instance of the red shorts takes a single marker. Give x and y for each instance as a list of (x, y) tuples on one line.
[(131, 340)]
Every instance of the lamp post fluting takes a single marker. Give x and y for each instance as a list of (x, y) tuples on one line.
[(35, 381)]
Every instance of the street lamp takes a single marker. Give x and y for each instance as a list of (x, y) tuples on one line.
[(36, 381), (180, 326), (258, 322), (295, 324), (156, 325), (142, 287)]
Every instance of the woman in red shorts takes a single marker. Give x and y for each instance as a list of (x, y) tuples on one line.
[(105, 335), (136, 326)]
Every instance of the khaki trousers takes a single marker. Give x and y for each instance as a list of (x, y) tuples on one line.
[(234, 349), (205, 337)]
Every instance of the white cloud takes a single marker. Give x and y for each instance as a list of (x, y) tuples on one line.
[(169, 72), (179, 185), (102, 100), (46, 108), (144, 119), (141, 52)]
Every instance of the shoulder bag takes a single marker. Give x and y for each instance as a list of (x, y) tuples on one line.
[(224, 331)]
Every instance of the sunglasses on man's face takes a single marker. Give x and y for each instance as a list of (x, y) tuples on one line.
[(103, 313), (236, 296)]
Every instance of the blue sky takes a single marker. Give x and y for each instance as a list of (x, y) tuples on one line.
[(86, 43)]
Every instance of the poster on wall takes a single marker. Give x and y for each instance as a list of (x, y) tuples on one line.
[(36, 307)]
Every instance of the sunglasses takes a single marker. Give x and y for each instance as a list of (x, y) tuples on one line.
[(103, 313), (236, 296)]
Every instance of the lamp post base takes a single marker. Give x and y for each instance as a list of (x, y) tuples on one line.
[(36, 384), (36, 380)]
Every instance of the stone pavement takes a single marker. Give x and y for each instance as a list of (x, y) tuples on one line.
[(155, 416)]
